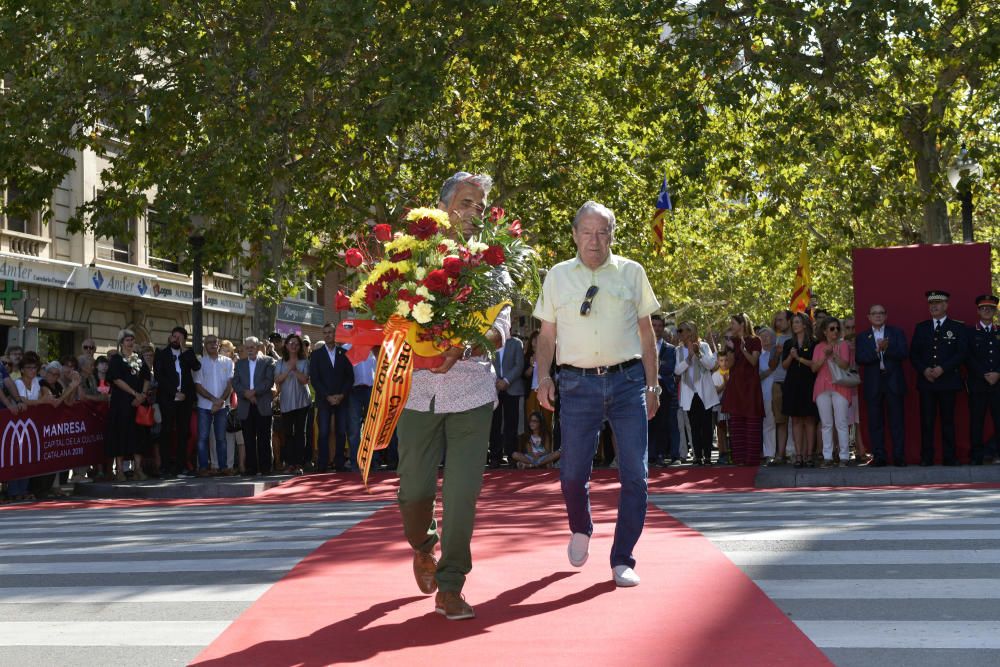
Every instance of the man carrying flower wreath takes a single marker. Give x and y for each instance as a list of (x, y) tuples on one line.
[(449, 411)]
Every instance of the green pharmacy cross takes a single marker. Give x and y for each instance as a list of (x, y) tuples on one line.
[(8, 295)]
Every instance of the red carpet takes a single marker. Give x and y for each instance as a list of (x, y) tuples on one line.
[(354, 600)]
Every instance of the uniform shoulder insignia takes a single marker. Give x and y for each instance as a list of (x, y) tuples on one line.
[(959, 322)]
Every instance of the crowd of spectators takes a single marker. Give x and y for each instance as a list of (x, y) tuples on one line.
[(751, 395)]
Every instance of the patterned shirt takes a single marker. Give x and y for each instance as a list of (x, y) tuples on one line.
[(467, 385)]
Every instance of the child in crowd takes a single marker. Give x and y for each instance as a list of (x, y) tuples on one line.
[(536, 445), (720, 378)]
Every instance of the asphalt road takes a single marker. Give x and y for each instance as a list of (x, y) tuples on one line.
[(145, 586), (901, 578)]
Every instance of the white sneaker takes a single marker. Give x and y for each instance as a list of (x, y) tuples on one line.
[(578, 549), (625, 576)]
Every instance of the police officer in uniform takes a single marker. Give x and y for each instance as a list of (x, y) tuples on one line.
[(984, 374), (937, 350)]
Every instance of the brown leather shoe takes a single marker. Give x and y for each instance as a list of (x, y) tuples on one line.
[(452, 605), (424, 569)]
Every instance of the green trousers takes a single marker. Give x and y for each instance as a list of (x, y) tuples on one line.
[(462, 439)]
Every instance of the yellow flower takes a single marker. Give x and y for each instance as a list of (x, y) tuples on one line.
[(422, 312), (436, 214), (402, 243), (358, 298)]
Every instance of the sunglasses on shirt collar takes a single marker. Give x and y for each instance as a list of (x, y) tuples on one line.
[(588, 300)]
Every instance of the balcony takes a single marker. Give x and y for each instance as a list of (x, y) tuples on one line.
[(19, 243)]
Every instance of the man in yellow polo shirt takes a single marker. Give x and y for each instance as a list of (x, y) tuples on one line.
[(595, 312)]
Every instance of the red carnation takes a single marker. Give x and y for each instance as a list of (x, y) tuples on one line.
[(389, 276), (496, 213), (400, 256), (515, 228), (409, 297), (494, 255), (375, 292), (383, 232), (424, 228), (453, 266), (353, 258), (437, 281), (442, 248), (343, 302)]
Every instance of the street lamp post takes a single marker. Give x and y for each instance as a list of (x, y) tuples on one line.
[(197, 242), (962, 175)]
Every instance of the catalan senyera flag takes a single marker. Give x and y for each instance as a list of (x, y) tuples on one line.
[(663, 204), (802, 288)]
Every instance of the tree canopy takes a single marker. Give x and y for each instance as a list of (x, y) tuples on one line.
[(293, 125)]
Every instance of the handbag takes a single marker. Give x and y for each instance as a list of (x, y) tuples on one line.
[(844, 377), (144, 415)]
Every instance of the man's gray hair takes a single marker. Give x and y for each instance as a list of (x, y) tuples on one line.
[(448, 189), (594, 208), (251, 339)]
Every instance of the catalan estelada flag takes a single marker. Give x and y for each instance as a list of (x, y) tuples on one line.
[(663, 204), (802, 288)]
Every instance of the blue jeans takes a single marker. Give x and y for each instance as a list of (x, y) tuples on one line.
[(324, 411), (208, 422), (585, 402), (357, 408)]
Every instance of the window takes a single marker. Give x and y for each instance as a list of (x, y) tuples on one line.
[(117, 248), (160, 255), (310, 289), (16, 222)]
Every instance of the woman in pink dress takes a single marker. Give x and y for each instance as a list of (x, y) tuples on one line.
[(833, 401)]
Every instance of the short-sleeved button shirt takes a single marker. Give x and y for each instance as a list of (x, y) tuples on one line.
[(609, 333)]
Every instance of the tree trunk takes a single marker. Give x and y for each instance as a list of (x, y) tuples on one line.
[(270, 261), (921, 136)]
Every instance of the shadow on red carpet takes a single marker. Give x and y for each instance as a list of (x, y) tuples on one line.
[(354, 600)]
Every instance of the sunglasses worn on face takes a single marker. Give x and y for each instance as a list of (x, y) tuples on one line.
[(90, 347), (588, 300), (834, 329)]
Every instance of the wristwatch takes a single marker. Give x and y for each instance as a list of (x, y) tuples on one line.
[(655, 390), (467, 353)]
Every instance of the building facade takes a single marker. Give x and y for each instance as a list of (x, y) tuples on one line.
[(58, 288)]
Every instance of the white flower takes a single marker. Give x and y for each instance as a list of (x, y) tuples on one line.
[(420, 272), (424, 292), (422, 312), (476, 246), (403, 308), (135, 363)]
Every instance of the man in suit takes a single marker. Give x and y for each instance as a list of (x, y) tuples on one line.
[(508, 364), (881, 350), (172, 367), (253, 383), (332, 378), (664, 431), (984, 374), (937, 351)]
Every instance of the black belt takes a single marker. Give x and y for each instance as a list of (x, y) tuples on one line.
[(599, 370)]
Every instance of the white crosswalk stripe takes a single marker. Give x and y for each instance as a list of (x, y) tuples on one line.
[(871, 576), (205, 562)]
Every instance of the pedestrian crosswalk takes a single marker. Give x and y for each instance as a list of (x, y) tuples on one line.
[(146, 585), (898, 577)]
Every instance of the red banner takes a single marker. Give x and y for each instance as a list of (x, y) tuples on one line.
[(45, 439)]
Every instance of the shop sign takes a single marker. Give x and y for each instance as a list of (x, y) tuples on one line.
[(301, 313), (36, 272)]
